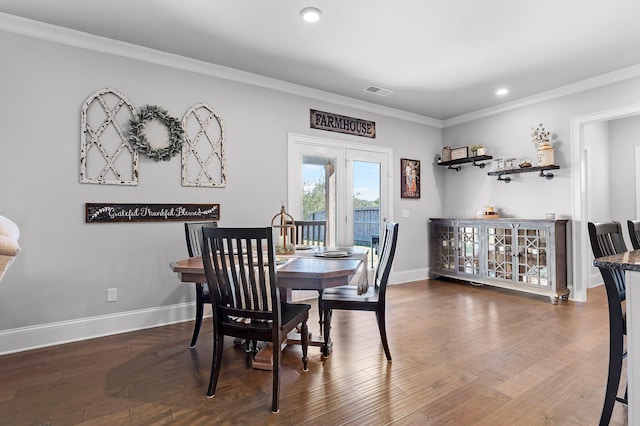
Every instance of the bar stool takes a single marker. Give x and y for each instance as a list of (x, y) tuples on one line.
[(606, 240)]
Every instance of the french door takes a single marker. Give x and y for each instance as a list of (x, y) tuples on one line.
[(346, 184)]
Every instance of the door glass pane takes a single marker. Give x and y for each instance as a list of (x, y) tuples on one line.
[(319, 192), (366, 204)]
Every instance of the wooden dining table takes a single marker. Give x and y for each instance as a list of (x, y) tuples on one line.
[(303, 270)]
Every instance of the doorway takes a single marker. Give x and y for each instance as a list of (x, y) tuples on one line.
[(347, 184), (582, 192)]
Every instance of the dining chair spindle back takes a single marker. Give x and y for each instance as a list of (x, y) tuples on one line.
[(239, 264), (193, 236), (347, 298), (311, 232)]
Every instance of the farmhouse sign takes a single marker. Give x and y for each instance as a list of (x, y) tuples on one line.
[(99, 212), (342, 124)]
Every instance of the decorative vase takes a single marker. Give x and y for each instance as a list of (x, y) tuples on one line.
[(546, 155)]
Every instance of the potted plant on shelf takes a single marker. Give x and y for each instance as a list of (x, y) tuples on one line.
[(541, 138), (477, 150)]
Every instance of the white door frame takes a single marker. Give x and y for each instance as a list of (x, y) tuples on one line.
[(295, 139), (581, 255)]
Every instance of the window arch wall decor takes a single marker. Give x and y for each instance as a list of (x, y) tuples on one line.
[(203, 151), (106, 157)]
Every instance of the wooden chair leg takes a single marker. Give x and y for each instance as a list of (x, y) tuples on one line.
[(613, 379), (277, 356), (326, 332), (320, 314), (305, 345), (199, 314), (380, 317), (218, 346)]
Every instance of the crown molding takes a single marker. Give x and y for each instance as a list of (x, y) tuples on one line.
[(69, 37), (580, 86)]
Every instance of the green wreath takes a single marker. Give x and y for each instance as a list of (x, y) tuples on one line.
[(138, 139)]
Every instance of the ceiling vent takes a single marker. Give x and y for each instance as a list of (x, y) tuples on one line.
[(378, 90)]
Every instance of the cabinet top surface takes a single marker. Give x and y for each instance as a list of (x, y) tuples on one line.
[(499, 220)]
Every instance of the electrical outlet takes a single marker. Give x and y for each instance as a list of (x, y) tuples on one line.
[(112, 294)]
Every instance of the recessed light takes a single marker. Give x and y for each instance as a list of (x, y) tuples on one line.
[(502, 92), (311, 14)]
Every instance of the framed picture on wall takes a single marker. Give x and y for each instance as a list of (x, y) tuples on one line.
[(410, 178)]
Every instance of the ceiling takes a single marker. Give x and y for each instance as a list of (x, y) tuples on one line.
[(441, 58)]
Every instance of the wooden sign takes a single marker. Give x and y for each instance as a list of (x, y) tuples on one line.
[(100, 212), (342, 124)]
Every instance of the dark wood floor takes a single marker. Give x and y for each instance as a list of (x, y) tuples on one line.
[(462, 355)]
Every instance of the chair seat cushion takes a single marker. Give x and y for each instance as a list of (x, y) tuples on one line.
[(293, 312), (288, 312), (349, 293)]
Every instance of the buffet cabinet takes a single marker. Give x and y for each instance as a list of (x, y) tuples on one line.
[(520, 254)]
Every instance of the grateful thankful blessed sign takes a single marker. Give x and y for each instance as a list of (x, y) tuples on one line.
[(342, 124), (98, 212)]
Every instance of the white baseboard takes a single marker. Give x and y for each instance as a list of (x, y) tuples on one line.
[(38, 336), (595, 280), (399, 277)]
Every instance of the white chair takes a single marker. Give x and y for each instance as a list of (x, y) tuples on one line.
[(9, 247)]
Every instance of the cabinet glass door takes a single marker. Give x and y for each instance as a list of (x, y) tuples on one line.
[(532, 257), (468, 249), (444, 250), (499, 253)]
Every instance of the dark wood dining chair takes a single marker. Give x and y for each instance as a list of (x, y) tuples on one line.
[(634, 233), (311, 232), (347, 298), (606, 240), (246, 300), (192, 232)]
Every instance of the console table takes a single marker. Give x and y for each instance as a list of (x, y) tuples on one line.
[(527, 255)]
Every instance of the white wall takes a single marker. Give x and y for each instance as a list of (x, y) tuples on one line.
[(598, 149), (625, 137), (507, 134), (60, 278), (611, 147), (598, 146)]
